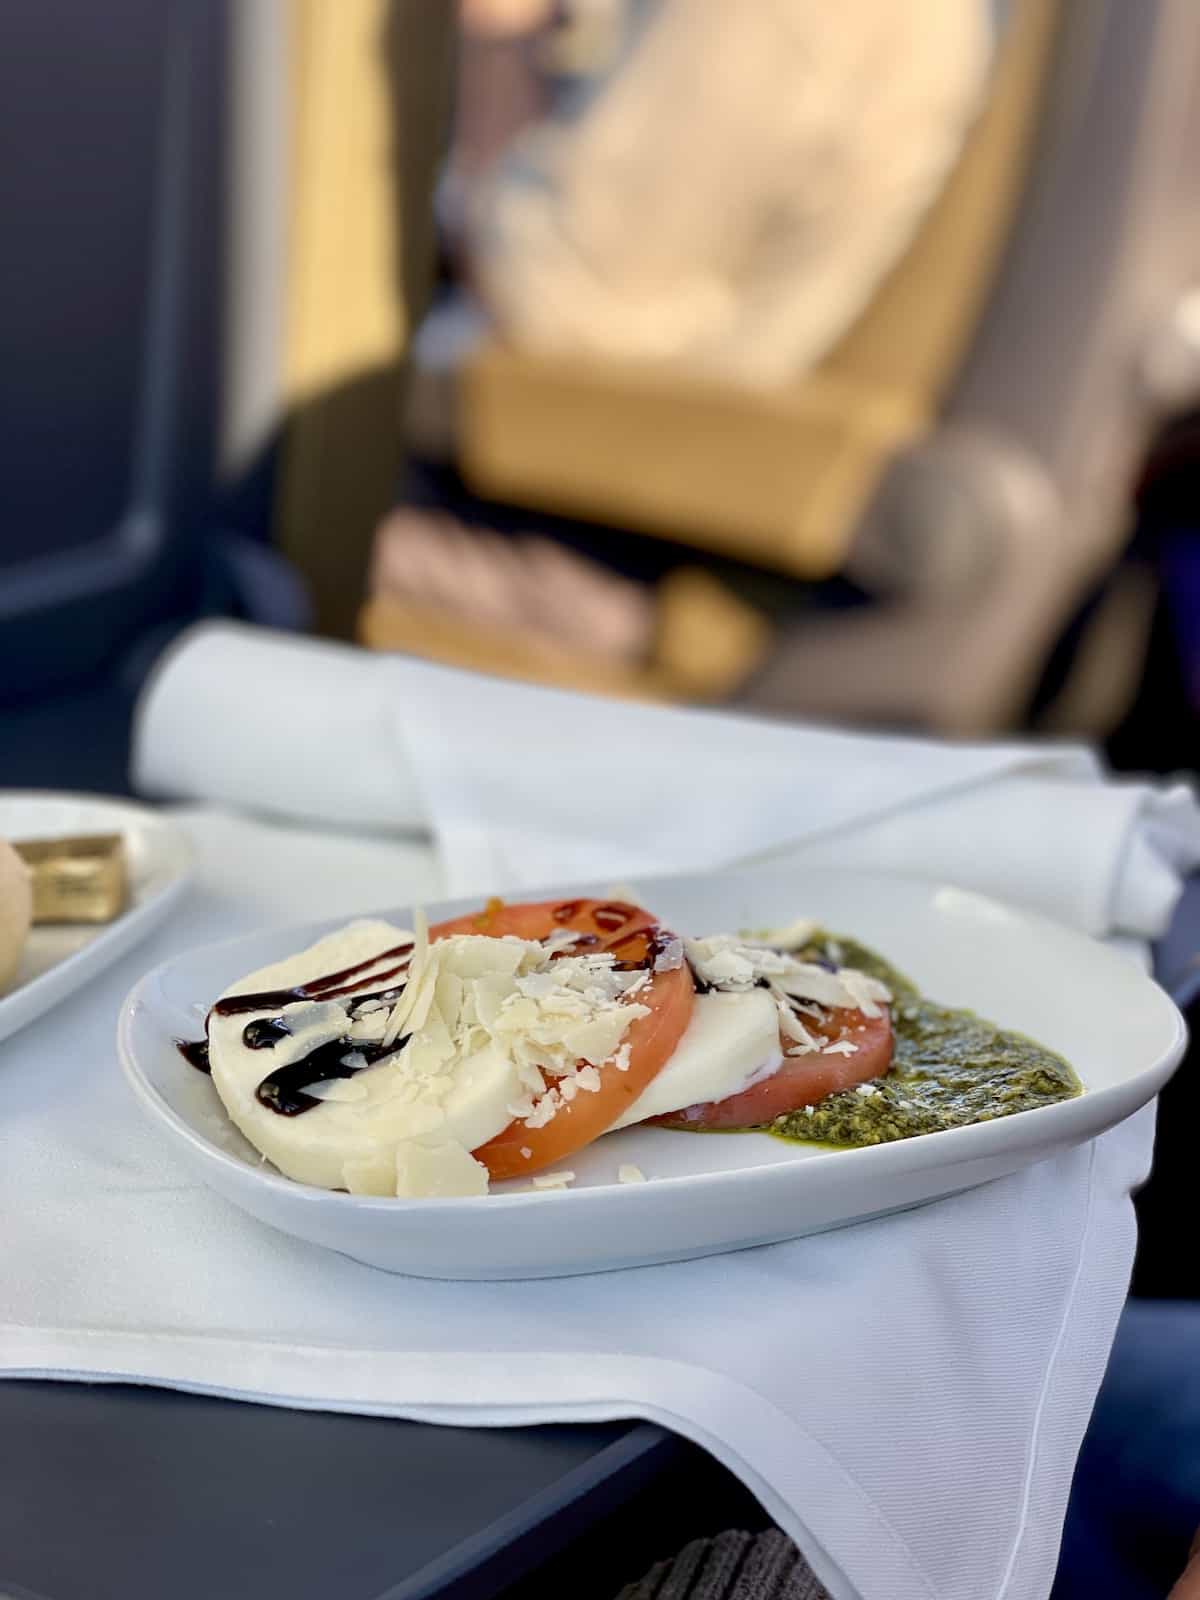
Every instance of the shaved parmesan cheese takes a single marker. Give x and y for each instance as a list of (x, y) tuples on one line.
[(453, 1041), (484, 1030), (792, 937), (723, 962), (553, 1180), (432, 1170), (670, 957), (373, 1174), (792, 1028)]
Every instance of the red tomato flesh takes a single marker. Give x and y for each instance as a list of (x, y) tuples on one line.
[(801, 1080)]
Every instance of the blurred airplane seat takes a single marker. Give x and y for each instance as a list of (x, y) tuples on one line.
[(111, 320), (966, 450), (963, 454)]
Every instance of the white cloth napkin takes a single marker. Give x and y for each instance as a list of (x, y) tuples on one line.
[(525, 786), (905, 1397)]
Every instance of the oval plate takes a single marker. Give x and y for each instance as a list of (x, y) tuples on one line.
[(58, 958), (711, 1193)]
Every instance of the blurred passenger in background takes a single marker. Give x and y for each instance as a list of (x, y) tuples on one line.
[(737, 182), (779, 354), (712, 188)]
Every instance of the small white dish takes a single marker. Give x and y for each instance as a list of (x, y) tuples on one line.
[(705, 1193), (58, 958)]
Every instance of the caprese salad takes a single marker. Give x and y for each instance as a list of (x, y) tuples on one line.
[(431, 1061)]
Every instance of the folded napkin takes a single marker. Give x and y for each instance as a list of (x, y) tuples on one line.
[(905, 1397), (525, 786)]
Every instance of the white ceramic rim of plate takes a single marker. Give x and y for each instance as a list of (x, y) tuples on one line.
[(110, 940), (976, 1141)]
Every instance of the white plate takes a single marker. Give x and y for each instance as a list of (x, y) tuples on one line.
[(705, 1193), (58, 959)]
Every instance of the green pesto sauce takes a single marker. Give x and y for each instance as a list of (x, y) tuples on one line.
[(948, 1068)]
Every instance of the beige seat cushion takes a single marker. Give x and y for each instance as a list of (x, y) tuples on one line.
[(776, 476)]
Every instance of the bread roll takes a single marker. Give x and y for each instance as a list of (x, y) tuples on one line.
[(16, 911)]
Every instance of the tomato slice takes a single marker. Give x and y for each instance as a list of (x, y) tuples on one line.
[(608, 922), (631, 935), (801, 1080)]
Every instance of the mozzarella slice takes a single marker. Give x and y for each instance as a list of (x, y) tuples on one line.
[(481, 1027), (485, 1030), (379, 1132), (731, 1042)]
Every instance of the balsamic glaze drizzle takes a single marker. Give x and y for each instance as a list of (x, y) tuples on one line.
[(613, 915), (195, 1053), (609, 915), (639, 951), (331, 987), (264, 1033), (285, 1090)]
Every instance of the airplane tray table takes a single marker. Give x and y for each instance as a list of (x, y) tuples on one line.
[(120, 1491), (131, 1492)]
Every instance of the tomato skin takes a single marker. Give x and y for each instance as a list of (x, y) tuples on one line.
[(629, 933), (632, 935), (652, 1040), (607, 921), (801, 1080)]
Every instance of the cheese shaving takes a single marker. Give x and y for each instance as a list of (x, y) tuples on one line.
[(553, 1180), (557, 1018), (734, 966), (792, 937)]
